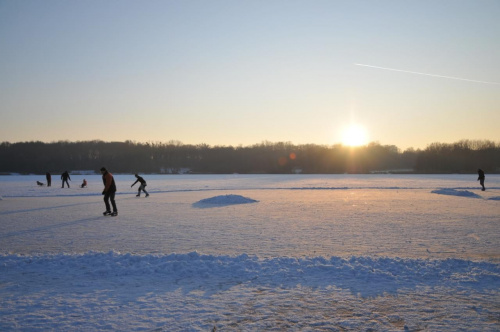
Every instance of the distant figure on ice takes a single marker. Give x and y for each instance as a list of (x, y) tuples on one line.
[(480, 172), (109, 192), (141, 187), (49, 179), (39, 183), (65, 177), (84, 184)]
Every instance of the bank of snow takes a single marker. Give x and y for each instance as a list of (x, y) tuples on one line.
[(224, 200), (195, 292), (364, 276), (456, 192)]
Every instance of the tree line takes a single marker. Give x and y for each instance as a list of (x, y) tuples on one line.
[(465, 156)]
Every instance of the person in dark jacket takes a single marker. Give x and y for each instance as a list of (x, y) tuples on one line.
[(65, 177), (142, 186), (480, 172), (49, 179), (109, 192)]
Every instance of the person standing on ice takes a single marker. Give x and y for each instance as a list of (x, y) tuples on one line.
[(480, 172), (109, 192), (142, 186), (49, 179), (65, 177)]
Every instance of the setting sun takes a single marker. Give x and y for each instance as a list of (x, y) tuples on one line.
[(354, 135)]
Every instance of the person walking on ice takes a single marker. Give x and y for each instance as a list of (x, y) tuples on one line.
[(480, 172), (141, 187), (109, 192), (65, 177)]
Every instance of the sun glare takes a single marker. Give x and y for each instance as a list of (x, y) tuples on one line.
[(354, 135)]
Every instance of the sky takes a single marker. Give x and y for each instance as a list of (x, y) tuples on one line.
[(227, 72)]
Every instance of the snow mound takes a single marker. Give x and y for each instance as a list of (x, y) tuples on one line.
[(224, 200), (454, 192)]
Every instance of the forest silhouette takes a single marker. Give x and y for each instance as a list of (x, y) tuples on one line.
[(464, 156)]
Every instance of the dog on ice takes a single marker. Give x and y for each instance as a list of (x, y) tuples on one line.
[(39, 183)]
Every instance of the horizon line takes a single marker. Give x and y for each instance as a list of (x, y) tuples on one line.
[(372, 142)]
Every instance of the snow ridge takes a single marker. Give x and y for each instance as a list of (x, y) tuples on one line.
[(363, 276), (455, 192)]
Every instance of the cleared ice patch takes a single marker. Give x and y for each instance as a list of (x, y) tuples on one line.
[(455, 192), (496, 198), (223, 200)]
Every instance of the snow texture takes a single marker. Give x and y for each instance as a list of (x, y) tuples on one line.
[(312, 253)]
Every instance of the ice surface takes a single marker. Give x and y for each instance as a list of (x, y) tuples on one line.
[(318, 252)]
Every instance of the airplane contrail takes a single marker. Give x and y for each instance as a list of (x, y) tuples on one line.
[(426, 74)]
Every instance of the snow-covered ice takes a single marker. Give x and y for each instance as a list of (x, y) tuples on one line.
[(252, 253)]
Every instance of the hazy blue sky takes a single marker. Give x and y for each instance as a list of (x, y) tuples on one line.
[(241, 72)]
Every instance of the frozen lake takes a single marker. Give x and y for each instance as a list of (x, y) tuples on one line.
[(252, 253)]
